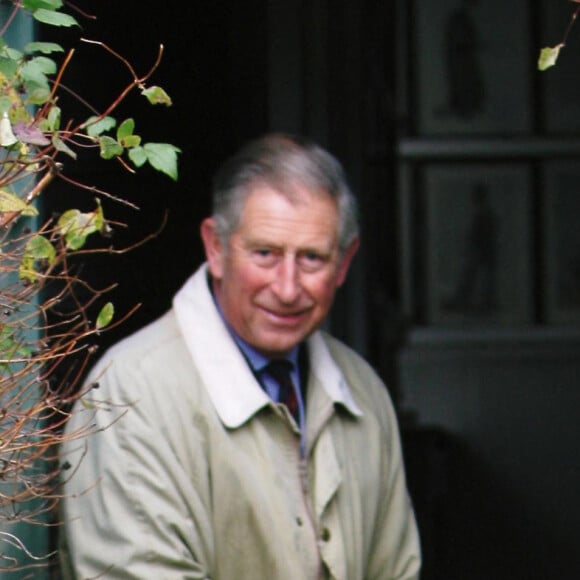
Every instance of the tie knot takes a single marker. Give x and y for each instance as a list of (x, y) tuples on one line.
[(279, 368)]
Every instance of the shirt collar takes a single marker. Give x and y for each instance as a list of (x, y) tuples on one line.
[(223, 369)]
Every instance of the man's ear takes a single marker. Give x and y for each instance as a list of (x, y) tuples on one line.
[(214, 250), (345, 261)]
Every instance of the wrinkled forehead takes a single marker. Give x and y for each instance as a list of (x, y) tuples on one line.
[(306, 220), (297, 191)]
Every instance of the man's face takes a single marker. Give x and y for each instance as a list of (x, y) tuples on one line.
[(277, 278)]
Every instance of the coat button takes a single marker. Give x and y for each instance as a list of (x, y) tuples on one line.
[(325, 535), (299, 520)]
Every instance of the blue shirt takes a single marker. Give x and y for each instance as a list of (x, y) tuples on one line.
[(258, 362)]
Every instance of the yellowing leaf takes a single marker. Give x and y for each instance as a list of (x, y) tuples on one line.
[(157, 96), (12, 203), (130, 141), (105, 315), (26, 270), (549, 56), (38, 248), (76, 226)]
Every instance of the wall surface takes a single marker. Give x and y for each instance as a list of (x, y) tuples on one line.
[(20, 536), (508, 472)]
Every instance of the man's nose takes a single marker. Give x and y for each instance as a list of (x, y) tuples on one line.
[(286, 284)]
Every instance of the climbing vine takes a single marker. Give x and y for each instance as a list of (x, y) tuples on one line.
[(50, 315)]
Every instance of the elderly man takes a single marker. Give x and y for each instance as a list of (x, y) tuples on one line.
[(249, 444)]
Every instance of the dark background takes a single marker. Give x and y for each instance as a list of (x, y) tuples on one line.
[(489, 414)]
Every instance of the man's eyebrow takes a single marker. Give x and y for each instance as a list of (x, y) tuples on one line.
[(254, 242), (313, 250)]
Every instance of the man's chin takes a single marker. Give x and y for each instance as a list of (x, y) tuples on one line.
[(279, 343)]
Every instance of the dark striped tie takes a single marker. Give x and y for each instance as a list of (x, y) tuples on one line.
[(280, 369)]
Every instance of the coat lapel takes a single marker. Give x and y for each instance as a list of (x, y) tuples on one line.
[(327, 389), (232, 387)]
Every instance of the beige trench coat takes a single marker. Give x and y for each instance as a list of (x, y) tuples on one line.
[(195, 473)]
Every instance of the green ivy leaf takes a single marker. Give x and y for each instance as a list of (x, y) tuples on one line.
[(8, 67), (549, 56), (37, 94), (52, 120), (138, 156), (35, 71), (163, 157), (125, 135), (12, 53), (44, 64), (109, 147), (96, 126), (157, 96), (36, 4), (105, 316), (6, 338), (5, 104), (61, 146), (125, 129), (43, 47), (54, 18)]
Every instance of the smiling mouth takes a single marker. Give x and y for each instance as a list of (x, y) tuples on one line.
[(285, 317)]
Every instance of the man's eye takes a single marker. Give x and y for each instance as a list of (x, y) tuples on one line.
[(264, 256), (311, 261)]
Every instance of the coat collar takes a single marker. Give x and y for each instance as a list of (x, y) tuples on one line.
[(234, 391)]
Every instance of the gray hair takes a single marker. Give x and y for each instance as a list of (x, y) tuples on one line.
[(283, 163)]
